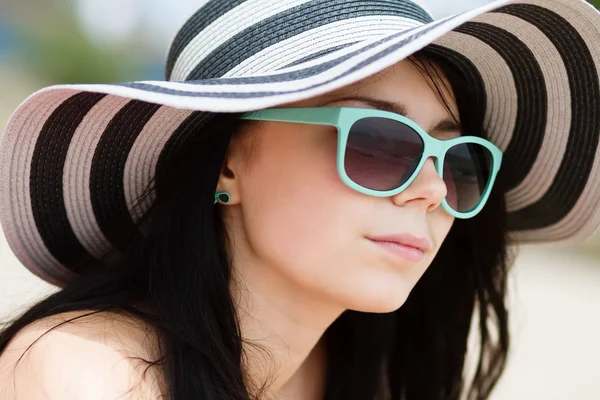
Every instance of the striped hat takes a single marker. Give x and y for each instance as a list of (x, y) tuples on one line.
[(74, 158)]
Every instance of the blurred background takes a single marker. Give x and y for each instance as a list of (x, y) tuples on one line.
[(554, 292)]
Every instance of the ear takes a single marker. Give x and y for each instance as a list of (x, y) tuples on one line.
[(231, 171)]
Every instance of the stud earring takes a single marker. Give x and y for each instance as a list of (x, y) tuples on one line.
[(222, 197)]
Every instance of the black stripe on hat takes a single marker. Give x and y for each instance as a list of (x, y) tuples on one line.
[(108, 168), (318, 54), (285, 76), (584, 135), (190, 126), (532, 98), (294, 22), (170, 154), (201, 19), (46, 179)]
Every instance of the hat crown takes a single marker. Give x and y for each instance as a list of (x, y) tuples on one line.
[(234, 38)]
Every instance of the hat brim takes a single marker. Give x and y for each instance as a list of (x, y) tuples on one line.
[(76, 157)]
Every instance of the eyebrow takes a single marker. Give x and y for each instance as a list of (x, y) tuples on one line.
[(444, 125)]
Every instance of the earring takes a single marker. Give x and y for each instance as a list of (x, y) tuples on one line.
[(222, 197)]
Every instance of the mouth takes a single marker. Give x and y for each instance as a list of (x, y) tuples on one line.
[(404, 246)]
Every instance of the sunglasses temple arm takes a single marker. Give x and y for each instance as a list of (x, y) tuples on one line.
[(313, 115)]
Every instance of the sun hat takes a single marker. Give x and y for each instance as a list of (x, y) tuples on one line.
[(74, 158)]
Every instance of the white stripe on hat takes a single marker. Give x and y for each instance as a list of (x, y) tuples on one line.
[(76, 177), (327, 36), (17, 216), (141, 162), (224, 28), (346, 51)]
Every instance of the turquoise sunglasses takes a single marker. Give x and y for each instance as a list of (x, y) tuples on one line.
[(380, 153)]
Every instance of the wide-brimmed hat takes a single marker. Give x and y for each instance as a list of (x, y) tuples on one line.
[(74, 158)]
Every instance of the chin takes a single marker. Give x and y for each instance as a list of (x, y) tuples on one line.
[(380, 301)]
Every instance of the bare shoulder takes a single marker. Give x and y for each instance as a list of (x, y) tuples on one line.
[(95, 356)]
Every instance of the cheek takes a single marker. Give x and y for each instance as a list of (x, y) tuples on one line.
[(296, 210)]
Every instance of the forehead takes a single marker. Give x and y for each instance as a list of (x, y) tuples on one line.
[(405, 85)]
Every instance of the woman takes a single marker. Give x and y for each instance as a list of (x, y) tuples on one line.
[(337, 244)]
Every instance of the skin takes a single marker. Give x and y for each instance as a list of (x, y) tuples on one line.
[(300, 257), (301, 254)]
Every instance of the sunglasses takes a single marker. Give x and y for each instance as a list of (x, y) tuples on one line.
[(380, 153)]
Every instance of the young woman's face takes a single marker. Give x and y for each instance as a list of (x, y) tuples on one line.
[(292, 215)]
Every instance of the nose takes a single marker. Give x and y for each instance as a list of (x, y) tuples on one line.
[(426, 191)]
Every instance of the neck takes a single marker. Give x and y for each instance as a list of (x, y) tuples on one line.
[(288, 325), (309, 381)]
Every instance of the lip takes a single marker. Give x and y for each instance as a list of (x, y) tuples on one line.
[(422, 244), (404, 245)]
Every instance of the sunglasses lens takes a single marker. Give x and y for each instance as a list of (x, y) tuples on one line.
[(381, 153), (467, 169)]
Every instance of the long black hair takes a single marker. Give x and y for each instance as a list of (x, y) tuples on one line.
[(176, 277)]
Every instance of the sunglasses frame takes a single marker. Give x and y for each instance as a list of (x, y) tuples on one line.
[(343, 118)]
